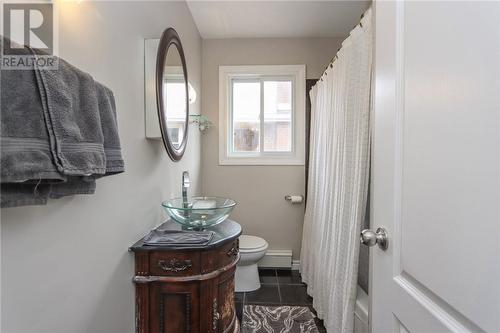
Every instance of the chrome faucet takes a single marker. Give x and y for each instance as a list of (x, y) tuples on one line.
[(185, 185)]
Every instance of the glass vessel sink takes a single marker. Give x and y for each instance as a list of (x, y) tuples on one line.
[(199, 212)]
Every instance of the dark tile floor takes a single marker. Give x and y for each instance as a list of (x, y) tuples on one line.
[(278, 287)]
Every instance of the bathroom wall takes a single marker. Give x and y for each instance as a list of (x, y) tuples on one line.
[(65, 266), (259, 190)]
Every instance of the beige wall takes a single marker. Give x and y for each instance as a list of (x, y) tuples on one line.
[(259, 190), (65, 266)]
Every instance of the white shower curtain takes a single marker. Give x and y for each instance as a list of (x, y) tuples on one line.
[(338, 180)]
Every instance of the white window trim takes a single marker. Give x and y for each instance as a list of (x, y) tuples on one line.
[(298, 73)]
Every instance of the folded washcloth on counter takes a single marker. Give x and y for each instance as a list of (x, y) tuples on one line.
[(178, 238), (58, 135)]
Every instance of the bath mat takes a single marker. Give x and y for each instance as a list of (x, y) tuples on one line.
[(278, 319)]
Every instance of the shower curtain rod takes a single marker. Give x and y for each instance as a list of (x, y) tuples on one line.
[(330, 64)]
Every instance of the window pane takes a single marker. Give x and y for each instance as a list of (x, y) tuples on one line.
[(277, 116), (246, 116), (175, 103)]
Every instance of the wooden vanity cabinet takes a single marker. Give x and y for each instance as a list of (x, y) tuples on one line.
[(188, 289)]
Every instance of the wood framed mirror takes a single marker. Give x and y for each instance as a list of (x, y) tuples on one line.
[(172, 94)]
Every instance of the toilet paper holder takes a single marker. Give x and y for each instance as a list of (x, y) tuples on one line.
[(294, 198)]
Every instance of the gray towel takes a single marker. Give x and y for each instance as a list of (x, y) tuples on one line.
[(107, 113), (25, 149), (178, 238), (71, 111), (22, 194), (38, 193), (58, 134)]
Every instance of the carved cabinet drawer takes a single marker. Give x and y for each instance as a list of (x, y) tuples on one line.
[(228, 253), (175, 263)]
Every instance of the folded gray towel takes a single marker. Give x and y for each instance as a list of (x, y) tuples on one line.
[(178, 238), (71, 110), (109, 125), (25, 148), (22, 194), (59, 133), (31, 193)]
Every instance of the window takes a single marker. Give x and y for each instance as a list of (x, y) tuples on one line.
[(262, 115), (174, 92), (177, 106)]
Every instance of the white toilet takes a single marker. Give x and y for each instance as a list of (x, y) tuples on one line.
[(252, 249)]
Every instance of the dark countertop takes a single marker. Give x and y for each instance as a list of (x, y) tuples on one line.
[(224, 232)]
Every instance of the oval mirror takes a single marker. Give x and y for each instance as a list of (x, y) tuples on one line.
[(172, 94)]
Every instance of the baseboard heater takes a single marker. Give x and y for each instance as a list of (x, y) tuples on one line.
[(277, 259)]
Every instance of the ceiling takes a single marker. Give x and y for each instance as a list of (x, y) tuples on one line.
[(265, 19)]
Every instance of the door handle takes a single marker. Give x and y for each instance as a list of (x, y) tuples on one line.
[(370, 238)]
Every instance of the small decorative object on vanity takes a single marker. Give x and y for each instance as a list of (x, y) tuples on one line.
[(187, 285)]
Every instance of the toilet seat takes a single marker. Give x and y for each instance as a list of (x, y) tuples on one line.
[(249, 244)]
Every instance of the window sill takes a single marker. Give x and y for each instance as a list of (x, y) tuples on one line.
[(261, 161)]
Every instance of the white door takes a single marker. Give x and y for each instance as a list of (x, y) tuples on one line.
[(435, 171)]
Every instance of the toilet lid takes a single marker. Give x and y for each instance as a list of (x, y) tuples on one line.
[(248, 242)]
